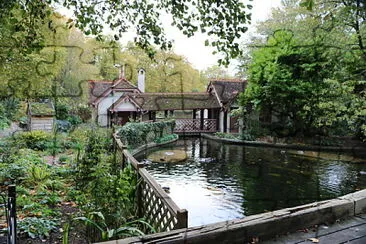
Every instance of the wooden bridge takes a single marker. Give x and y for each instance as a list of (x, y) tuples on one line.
[(195, 126)]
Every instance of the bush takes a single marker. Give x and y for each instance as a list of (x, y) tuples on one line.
[(74, 119), (14, 169), (135, 134), (166, 138), (37, 227), (62, 111), (37, 140), (225, 135), (84, 112), (4, 121), (63, 125)]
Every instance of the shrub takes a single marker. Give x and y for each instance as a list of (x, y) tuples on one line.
[(135, 134), (37, 227), (225, 135), (166, 138), (62, 111), (16, 165), (84, 112), (37, 140), (63, 125), (74, 119)]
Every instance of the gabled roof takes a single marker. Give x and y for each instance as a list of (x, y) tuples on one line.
[(123, 99), (100, 89), (227, 90), (171, 101)]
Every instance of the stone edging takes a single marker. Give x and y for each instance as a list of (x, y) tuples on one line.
[(262, 226), (151, 145), (354, 150)]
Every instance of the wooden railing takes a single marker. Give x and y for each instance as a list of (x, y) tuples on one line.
[(154, 204), (195, 125)]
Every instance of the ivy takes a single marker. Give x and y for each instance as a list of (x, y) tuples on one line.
[(135, 134)]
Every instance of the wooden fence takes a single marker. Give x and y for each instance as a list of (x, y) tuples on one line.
[(154, 204), (195, 125)]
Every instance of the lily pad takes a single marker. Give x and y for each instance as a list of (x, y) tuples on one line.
[(168, 156)]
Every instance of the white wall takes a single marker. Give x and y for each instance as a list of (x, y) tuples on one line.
[(103, 106), (127, 106)]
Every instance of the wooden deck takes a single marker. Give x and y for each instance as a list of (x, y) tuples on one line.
[(351, 230)]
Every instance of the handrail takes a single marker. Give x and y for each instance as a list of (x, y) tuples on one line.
[(153, 202)]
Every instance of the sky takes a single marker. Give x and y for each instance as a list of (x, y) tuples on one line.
[(193, 48), (201, 56)]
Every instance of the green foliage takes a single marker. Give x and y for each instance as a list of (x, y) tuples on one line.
[(101, 186), (15, 166), (62, 111), (307, 76), (37, 227), (224, 21), (127, 229), (83, 112), (166, 138), (225, 135), (134, 134), (4, 120), (37, 140)]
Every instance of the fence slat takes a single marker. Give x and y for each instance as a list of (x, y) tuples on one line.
[(154, 204)]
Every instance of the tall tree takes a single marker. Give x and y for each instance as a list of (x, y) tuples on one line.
[(223, 21), (308, 70)]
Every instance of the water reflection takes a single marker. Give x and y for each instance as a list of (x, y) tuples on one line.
[(220, 182)]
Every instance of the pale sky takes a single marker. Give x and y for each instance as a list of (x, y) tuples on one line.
[(193, 48), (201, 56)]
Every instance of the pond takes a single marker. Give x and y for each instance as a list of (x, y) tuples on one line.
[(219, 182)]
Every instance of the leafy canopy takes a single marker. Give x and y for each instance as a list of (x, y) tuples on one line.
[(224, 21)]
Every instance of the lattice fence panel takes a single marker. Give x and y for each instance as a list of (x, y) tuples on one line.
[(155, 211), (187, 125), (209, 124)]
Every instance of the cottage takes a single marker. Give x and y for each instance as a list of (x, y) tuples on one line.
[(117, 102), (40, 116)]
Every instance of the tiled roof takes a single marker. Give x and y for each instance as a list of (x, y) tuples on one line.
[(228, 89), (102, 88), (174, 101)]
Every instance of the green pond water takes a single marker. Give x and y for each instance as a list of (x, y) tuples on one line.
[(219, 182)]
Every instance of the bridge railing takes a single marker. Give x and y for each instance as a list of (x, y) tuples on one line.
[(154, 204), (195, 125)]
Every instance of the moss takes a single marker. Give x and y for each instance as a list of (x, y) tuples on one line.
[(42, 109)]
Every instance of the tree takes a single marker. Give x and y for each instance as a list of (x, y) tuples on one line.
[(307, 73), (165, 72), (223, 21), (216, 72)]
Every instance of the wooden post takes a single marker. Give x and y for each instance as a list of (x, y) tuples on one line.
[(182, 218), (225, 122), (202, 114), (139, 200), (12, 221), (194, 113)]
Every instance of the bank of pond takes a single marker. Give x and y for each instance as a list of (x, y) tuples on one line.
[(215, 181)]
